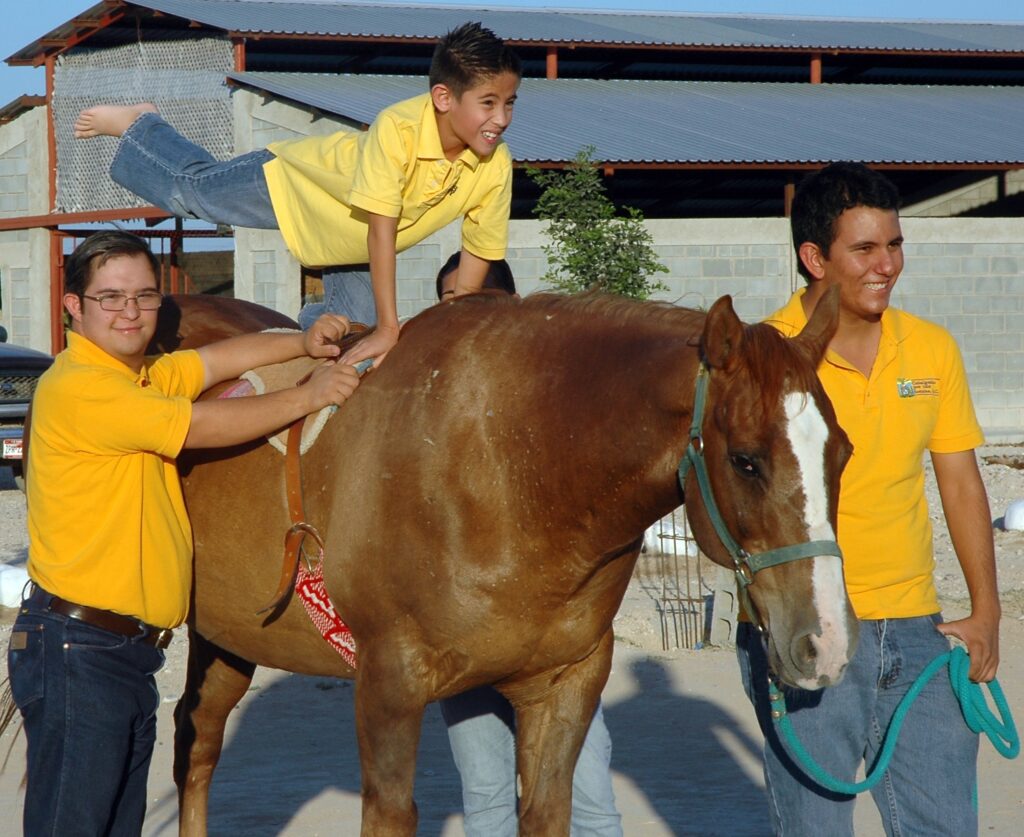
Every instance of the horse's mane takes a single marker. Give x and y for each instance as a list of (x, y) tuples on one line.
[(771, 360), (776, 363), (623, 310)]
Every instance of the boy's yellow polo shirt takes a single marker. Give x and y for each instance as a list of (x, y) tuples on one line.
[(106, 519), (322, 187), (916, 399)]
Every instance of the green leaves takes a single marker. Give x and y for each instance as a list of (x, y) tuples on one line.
[(591, 246)]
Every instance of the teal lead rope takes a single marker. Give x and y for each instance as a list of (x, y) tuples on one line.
[(1001, 731)]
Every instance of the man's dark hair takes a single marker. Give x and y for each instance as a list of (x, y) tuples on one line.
[(498, 278), (96, 251), (468, 55), (825, 195)]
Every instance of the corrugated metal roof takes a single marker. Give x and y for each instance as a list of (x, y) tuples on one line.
[(581, 26), (732, 123)]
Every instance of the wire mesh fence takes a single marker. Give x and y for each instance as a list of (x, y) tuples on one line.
[(695, 598), (184, 79)]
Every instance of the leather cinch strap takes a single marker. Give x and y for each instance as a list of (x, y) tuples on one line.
[(300, 528)]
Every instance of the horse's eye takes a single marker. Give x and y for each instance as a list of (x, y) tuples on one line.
[(744, 465)]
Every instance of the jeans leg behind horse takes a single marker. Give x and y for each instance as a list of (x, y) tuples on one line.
[(593, 801), (159, 165), (481, 727), (480, 731), (347, 291)]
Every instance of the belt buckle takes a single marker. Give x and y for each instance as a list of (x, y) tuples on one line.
[(163, 637)]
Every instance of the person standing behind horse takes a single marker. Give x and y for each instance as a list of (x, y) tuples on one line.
[(110, 546), (481, 722), (898, 386), (352, 197)]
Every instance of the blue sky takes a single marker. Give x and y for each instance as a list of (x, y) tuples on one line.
[(37, 17)]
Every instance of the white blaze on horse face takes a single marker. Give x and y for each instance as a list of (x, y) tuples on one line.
[(808, 433)]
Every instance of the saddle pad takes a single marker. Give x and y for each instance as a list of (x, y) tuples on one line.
[(280, 376)]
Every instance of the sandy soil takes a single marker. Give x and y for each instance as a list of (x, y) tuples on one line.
[(686, 757)]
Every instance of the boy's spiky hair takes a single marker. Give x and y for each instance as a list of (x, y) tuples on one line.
[(469, 54), (825, 195)]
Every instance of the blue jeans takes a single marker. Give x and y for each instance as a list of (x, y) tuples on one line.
[(160, 166), (929, 786), (481, 726), (348, 291), (88, 701)]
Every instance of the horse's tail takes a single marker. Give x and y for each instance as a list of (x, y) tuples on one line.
[(8, 710)]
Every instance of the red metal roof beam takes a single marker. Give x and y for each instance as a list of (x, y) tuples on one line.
[(55, 219), (87, 30)]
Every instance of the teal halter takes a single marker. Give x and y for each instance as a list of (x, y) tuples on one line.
[(745, 565)]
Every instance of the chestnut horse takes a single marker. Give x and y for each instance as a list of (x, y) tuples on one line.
[(482, 498)]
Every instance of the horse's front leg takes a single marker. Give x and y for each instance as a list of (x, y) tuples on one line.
[(549, 737), (389, 713), (215, 681)]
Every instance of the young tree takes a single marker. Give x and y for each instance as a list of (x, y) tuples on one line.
[(590, 245)]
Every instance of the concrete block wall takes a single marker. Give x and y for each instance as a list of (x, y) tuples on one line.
[(751, 259), (966, 274), (25, 254)]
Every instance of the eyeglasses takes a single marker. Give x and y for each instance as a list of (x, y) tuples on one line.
[(146, 301)]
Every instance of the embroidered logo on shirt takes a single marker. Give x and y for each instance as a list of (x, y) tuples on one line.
[(910, 387)]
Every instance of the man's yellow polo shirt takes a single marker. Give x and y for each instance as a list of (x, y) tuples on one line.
[(106, 520), (916, 399), (322, 188)]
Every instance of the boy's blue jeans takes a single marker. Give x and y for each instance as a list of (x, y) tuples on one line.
[(88, 701), (480, 730), (929, 786), (159, 165)]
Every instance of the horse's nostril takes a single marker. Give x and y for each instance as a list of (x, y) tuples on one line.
[(805, 651)]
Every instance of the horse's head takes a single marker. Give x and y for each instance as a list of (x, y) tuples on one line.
[(774, 453)]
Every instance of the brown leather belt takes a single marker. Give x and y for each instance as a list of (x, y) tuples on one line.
[(113, 622)]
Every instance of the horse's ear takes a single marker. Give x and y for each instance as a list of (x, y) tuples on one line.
[(723, 334), (821, 327)]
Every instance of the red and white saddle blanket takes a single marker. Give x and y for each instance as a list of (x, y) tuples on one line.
[(309, 586)]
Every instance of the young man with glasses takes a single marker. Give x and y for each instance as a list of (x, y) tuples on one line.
[(110, 546)]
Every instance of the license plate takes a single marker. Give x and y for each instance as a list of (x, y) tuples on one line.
[(12, 448)]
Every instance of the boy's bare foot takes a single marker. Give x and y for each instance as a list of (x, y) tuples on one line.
[(109, 120)]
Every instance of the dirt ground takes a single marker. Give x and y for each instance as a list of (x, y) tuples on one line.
[(686, 748)]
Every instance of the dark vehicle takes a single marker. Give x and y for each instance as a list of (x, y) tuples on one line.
[(20, 369)]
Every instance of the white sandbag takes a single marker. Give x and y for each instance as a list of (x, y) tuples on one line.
[(12, 581), (1014, 517)]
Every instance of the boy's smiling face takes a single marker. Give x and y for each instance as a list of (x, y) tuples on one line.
[(478, 117), (121, 334), (865, 260)]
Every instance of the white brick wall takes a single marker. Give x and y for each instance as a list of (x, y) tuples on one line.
[(25, 254)]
